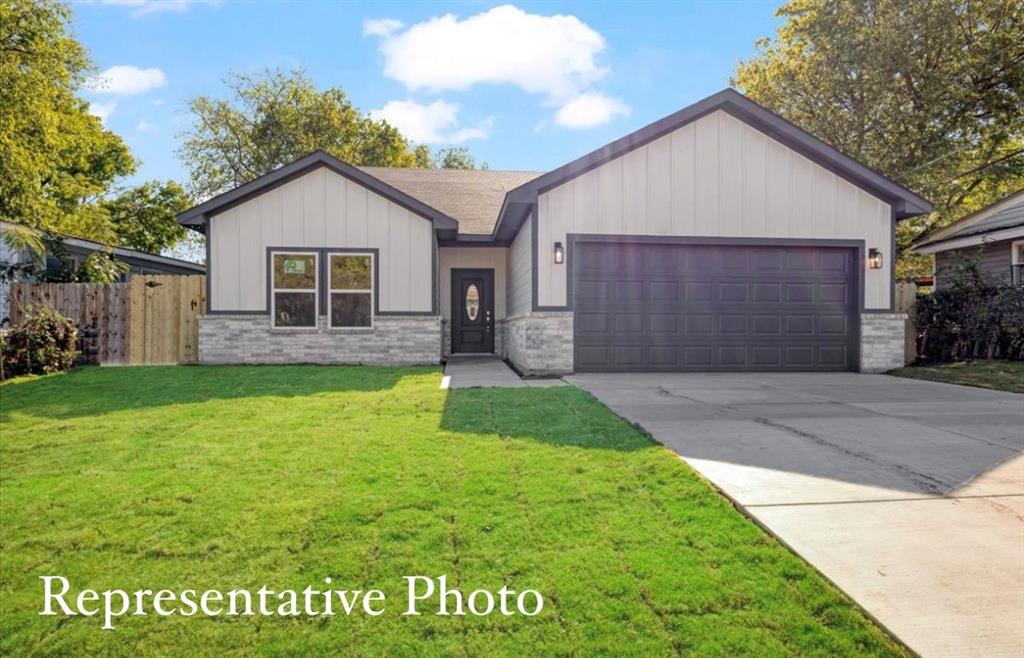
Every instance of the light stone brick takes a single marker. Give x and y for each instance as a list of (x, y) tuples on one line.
[(394, 340)]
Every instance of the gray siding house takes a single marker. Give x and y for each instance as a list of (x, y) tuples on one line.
[(720, 238), (993, 237)]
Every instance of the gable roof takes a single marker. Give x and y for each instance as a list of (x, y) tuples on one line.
[(472, 196), (904, 202), (1007, 213), (196, 215)]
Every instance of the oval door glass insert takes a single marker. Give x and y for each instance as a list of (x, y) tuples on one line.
[(472, 301)]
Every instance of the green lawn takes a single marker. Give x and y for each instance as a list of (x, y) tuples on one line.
[(998, 375), (237, 477)]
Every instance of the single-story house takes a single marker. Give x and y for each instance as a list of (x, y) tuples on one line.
[(719, 238), (78, 249), (993, 237)]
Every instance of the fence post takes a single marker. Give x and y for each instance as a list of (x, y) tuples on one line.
[(906, 302)]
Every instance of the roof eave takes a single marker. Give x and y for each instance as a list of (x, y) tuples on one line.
[(198, 215)]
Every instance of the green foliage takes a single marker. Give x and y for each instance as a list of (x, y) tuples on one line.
[(144, 217), (274, 118), (55, 158), (929, 93), (456, 157), (238, 477), (43, 343), (977, 316)]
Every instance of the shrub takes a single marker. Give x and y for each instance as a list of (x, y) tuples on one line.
[(977, 316), (44, 342)]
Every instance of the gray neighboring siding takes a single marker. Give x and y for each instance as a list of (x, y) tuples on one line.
[(994, 258), (519, 299)]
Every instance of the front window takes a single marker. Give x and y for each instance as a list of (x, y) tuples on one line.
[(293, 289), (350, 295)]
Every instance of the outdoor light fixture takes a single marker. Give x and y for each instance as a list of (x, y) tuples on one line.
[(559, 253), (874, 259)]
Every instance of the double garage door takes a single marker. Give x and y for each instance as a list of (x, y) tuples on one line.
[(668, 307)]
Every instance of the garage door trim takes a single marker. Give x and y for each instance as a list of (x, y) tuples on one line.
[(858, 247)]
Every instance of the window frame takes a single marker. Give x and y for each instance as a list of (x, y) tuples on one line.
[(372, 290), (315, 290)]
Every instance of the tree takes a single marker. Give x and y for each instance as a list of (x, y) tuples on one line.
[(144, 217), (930, 93), (56, 159), (275, 118), (456, 157)]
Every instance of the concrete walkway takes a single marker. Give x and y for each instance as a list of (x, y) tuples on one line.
[(468, 371), (909, 495)]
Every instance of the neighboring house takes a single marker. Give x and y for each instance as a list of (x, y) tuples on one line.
[(78, 249), (718, 238), (992, 236)]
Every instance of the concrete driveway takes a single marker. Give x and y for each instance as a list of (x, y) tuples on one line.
[(909, 495)]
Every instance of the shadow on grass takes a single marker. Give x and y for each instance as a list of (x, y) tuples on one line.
[(94, 390), (562, 415)]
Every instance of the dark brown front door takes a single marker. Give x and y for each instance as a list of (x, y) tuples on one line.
[(472, 311)]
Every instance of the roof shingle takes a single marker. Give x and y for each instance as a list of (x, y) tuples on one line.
[(472, 197)]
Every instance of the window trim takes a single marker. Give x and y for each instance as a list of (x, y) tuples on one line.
[(315, 290), (328, 290)]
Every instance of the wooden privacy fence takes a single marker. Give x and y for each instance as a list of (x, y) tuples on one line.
[(906, 302), (152, 319)]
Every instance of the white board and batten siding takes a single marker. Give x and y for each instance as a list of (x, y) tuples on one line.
[(320, 209), (716, 176)]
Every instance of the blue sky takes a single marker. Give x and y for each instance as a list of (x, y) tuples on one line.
[(542, 82)]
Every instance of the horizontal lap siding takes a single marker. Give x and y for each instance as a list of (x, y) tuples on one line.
[(994, 258), (320, 209), (519, 299), (716, 176)]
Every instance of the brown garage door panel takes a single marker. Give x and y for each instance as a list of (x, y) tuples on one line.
[(648, 307)]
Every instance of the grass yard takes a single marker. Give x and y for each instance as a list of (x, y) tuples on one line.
[(237, 477), (998, 375)]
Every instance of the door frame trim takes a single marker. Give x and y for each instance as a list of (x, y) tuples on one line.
[(572, 239), (488, 274)]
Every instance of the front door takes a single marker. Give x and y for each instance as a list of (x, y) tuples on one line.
[(472, 311)]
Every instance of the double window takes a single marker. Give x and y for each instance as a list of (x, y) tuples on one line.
[(296, 285)]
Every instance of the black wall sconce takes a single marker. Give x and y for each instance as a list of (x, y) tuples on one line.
[(874, 259), (559, 253)]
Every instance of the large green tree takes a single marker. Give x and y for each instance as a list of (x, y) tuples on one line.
[(145, 217), (929, 92), (273, 118), (56, 160)]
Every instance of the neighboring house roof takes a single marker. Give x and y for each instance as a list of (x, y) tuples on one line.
[(195, 216), (904, 202), (124, 252), (1001, 220), (472, 196)]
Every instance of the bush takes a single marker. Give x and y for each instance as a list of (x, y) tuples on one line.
[(44, 342), (976, 317)]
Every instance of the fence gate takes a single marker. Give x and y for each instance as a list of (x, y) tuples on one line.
[(153, 319)]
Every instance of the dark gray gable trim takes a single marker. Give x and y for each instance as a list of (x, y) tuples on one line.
[(905, 203), (194, 216)]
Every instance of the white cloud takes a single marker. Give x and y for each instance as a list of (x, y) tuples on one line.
[(590, 109), (143, 7), (551, 55), (431, 123), (381, 27), (144, 126), (126, 80), (102, 110)]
